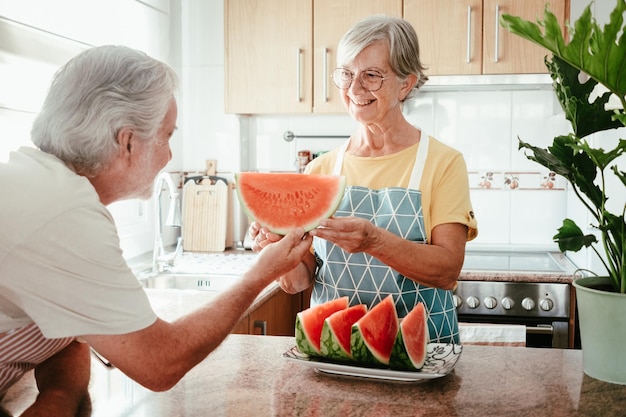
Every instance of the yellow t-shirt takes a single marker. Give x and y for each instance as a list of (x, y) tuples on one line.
[(444, 184)]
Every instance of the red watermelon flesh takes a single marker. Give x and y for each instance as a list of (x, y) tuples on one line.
[(374, 335), (309, 324), (284, 201), (335, 340), (409, 352)]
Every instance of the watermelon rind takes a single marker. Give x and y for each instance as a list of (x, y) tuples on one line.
[(408, 354), (299, 207), (376, 329), (361, 353), (330, 344), (303, 342), (309, 324)]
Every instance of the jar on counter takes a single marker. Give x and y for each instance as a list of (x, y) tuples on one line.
[(304, 157)]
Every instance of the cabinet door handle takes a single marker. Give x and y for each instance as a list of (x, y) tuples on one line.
[(469, 35), (299, 77), (497, 40), (260, 324), (325, 74)]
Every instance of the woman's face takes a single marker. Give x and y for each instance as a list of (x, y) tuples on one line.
[(369, 107)]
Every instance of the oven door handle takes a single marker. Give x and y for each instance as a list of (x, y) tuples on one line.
[(540, 329)]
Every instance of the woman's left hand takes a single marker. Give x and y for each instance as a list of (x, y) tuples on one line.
[(351, 234)]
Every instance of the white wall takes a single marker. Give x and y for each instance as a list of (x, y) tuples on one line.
[(38, 36)]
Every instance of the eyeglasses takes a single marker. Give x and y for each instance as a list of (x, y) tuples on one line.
[(370, 80)]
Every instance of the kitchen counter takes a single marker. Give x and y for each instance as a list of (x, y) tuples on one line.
[(517, 266), (248, 376)]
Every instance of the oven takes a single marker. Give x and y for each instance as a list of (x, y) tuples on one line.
[(529, 289)]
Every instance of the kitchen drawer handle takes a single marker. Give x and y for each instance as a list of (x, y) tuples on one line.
[(325, 74), (299, 77), (497, 40), (261, 324), (540, 329), (469, 35)]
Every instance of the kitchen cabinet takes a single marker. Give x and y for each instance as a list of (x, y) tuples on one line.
[(276, 316), (461, 37), (279, 53)]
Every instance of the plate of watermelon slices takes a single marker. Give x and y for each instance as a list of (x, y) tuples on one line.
[(440, 361)]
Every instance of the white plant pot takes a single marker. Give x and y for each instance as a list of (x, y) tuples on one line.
[(602, 318)]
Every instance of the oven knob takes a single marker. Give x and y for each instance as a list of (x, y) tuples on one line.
[(458, 301), (507, 303), (490, 303), (528, 303), (546, 304), (472, 302)]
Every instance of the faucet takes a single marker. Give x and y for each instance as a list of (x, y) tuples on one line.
[(160, 259)]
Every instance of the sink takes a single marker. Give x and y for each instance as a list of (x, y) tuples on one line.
[(181, 281)]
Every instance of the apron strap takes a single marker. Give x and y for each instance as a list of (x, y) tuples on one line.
[(420, 161), (339, 160)]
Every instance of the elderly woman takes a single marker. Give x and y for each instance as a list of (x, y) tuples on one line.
[(406, 213)]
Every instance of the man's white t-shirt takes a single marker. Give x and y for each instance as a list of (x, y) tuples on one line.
[(61, 265)]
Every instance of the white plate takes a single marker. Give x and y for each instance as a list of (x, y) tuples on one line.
[(440, 361)]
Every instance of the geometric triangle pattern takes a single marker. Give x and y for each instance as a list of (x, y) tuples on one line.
[(366, 280)]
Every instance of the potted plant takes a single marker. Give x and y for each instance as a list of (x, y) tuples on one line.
[(593, 57)]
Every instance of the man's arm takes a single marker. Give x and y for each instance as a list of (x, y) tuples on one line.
[(63, 382), (159, 355)]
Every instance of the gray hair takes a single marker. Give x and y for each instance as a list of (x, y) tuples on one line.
[(404, 51), (93, 96)]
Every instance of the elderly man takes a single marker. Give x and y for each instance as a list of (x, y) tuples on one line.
[(102, 136)]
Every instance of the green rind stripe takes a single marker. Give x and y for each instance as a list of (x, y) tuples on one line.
[(302, 341), (330, 346), (360, 351), (399, 356)]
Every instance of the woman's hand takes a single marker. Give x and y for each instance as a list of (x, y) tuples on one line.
[(261, 237), (351, 234)]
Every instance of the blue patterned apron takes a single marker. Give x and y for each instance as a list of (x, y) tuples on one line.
[(366, 280)]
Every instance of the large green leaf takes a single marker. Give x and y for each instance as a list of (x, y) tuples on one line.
[(571, 238), (586, 116), (598, 53), (594, 51), (564, 159)]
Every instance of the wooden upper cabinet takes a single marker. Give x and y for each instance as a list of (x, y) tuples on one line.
[(460, 37), (505, 53), (268, 56), (449, 33), (279, 54), (332, 19)]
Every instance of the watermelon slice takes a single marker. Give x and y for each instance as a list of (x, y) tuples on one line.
[(374, 335), (309, 324), (409, 350), (336, 332), (284, 201)]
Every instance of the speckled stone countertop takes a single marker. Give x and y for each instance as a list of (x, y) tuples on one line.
[(248, 376)]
